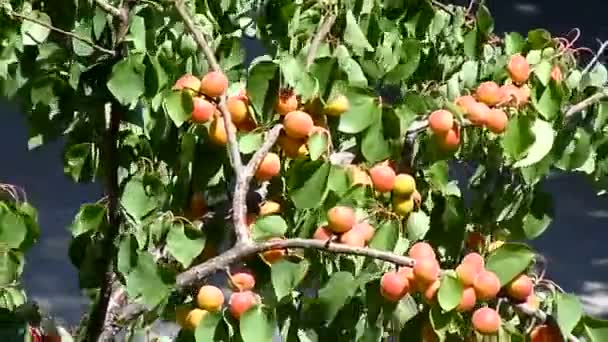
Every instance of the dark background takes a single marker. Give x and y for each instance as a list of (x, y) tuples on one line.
[(574, 244)]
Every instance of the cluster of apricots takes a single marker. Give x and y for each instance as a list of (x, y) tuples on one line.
[(342, 224), (211, 299), (403, 187), (478, 283)]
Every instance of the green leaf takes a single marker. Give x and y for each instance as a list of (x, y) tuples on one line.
[(386, 236), (317, 145), (185, 243), (137, 33), (336, 293), (514, 43), (601, 117), (178, 105), (543, 72), (539, 38), (543, 143), (258, 82), (418, 223), (310, 193), (11, 264), (257, 324), (146, 281), (99, 22), (353, 35), (127, 254), (364, 111), (410, 60), (576, 153), (471, 44), (287, 275), (538, 219), (406, 309), (518, 137), (82, 49), (269, 226), (596, 329), (33, 33), (350, 67), (450, 292), (568, 312), (485, 23), (548, 106), (207, 327), (13, 229), (139, 199), (127, 81), (374, 145), (338, 180), (251, 142), (509, 260), (295, 75), (89, 218)]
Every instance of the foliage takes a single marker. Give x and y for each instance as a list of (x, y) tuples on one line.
[(111, 77)]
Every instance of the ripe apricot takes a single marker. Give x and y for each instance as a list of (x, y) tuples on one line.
[(188, 82), (486, 321), (298, 124), (520, 288), (238, 109), (408, 273), (430, 292), (450, 140), (441, 121), (337, 106), (269, 208), (486, 285), (393, 286), (210, 298), (273, 255), (474, 259), (322, 233), (365, 230), (545, 333), (293, 148), (217, 131), (269, 167), (465, 102), (467, 273), (467, 301), (426, 270), (383, 177), (497, 121), (240, 302), (489, 93), (286, 103), (403, 205), (194, 318), (340, 219), (202, 110), (353, 238), (214, 84), (478, 113), (524, 94), (242, 281), (421, 250), (518, 68), (404, 185), (556, 74)]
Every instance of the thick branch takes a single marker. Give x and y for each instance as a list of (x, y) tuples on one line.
[(586, 103), (323, 31), (106, 7), (66, 33)]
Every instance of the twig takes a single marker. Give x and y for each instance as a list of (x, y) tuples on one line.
[(324, 29), (443, 6), (597, 56), (106, 7), (66, 33), (586, 103)]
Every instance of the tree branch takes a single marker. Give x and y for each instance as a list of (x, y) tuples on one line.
[(597, 56), (106, 7), (66, 33), (586, 103), (323, 31)]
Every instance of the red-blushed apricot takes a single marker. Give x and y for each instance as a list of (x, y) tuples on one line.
[(214, 84), (486, 285), (524, 94), (404, 185), (451, 140), (202, 110), (353, 238), (518, 68), (322, 233), (240, 302), (486, 321), (298, 124), (194, 318), (441, 121), (269, 208), (417, 198), (273, 255), (464, 103), (426, 270), (337, 106), (520, 288), (198, 205), (238, 109), (478, 113), (475, 241), (467, 301), (467, 273), (365, 229), (383, 177), (210, 298), (408, 273), (421, 250), (430, 292), (556, 74), (242, 281), (269, 167), (358, 176), (217, 131), (474, 259), (293, 148), (188, 82), (488, 93), (545, 333), (340, 219), (497, 121), (286, 103), (393, 286), (403, 206)]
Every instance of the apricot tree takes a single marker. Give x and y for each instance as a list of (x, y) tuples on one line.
[(371, 176)]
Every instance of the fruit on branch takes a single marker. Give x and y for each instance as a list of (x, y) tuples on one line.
[(556, 74), (489, 93), (202, 110), (269, 167), (545, 333), (408, 273), (403, 206), (322, 233), (486, 321), (441, 121), (426, 270), (188, 82), (497, 121), (451, 140), (293, 148), (421, 250), (214, 84), (467, 301), (518, 68), (217, 131), (286, 103), (393, 286), (238, 109), (242, 281), (520, 288), (486, 285), (474, 259), (298, 124), (270, 208), (467, 273), (383, 177), (478, 113), (464, 103), (353, 238), (340, 219), (365, 230), (210, 298), (430, 292), (404, 185), (240, 302), (194, 318), (273, 255), (524, 94), (337, 106)]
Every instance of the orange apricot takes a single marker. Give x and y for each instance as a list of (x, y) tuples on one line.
[(520, 288), (426, 270), (322, 233), (421, 250), (269, 167), (188, 82), (450, 140), (518, 68), (298, 124), (293, 148), (393, 286), (214, 84), (467, 301), (497, 121), (217, 131), (273, 255), (353, 238), (441, 121), (240, 302), (486, 321), (486, 285), (383, 177), (340, 219), (467, 273), (478, 113), (242, 281), (194, 318), (489, 93), (286, 103), (210, 298), (464, 103), (238, 109), (202, 110), (475, 259), (430, 292), (365, 230)]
